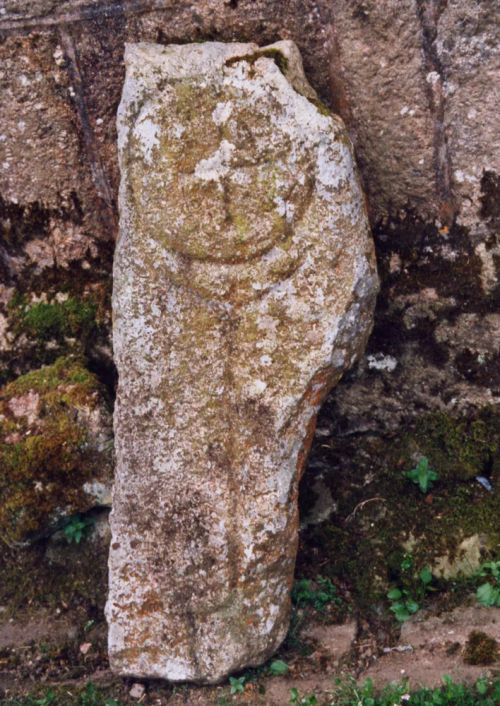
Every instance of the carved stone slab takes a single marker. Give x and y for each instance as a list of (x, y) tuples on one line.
[(244, 284)]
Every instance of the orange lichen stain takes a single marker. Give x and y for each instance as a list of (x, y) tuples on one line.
[(151, 605), (321, 383)]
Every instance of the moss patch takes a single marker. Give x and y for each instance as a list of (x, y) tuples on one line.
[(457, 447), (56, 320), (45, 455), (381, 516), (480, 648), (61, 324), (66, 371)]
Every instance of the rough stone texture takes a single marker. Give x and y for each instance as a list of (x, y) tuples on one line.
[(435, 343), (55, 221), (244, 285), (381, 89)]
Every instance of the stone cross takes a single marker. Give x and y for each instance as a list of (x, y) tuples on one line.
[(244, 285)]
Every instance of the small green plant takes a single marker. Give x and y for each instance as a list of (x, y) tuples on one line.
[(46, 700), (403, 603), (297, 700), (237, 684), (406, 563), (90, 696), (307, 595), (278, 668), (304, 593), (488, 593), (348, 693), (425, 577), (422, 475), (77, 528)]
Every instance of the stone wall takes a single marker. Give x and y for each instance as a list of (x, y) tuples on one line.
[(414, 81)]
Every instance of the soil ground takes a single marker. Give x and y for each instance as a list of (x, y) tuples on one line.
[(51, 651)]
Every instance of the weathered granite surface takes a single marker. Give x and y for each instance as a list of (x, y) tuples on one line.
[(244, 285)]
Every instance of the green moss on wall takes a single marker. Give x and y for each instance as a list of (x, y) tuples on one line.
[(458, 448), (68, 377), (43, 321), (43, 447)]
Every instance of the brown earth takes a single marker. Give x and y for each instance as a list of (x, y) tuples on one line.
[(429, 647)]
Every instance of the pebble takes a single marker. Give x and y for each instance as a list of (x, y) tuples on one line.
[(137, 691)]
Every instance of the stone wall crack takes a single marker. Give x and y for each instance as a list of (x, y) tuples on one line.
[(99, 177), (428, 13)]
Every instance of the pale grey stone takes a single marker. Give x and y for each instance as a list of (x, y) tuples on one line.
[(244, 285)]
